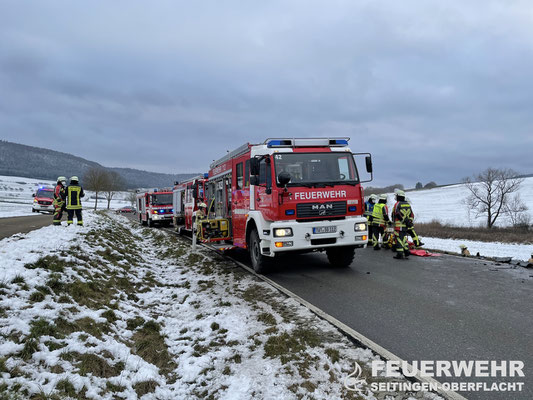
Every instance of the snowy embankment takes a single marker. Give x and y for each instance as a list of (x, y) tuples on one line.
[(16, 196), (114, 310)]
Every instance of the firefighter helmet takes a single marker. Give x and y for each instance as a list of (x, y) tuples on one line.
[(202, 205), (61, 179), (373, 197), (74, 179), (383, 197), (400, 193)]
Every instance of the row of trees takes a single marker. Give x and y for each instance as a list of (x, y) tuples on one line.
[(429, 185), (100, 181), (494, 193)]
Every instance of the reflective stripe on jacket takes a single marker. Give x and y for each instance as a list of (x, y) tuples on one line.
[(380, 214), (74, 195), (402, 215)]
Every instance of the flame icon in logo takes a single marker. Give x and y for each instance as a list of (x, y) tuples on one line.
[(353, 381)]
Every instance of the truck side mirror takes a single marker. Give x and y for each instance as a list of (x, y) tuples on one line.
[(254, 180), (284, 178), (368, 161), (254, 166), (33, 195)]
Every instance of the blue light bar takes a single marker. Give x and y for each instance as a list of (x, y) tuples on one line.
[(340, 141), (289, 212), (206, 175)]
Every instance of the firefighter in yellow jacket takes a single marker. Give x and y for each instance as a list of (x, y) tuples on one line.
[(378, 219), (74, 195), (403, 218)]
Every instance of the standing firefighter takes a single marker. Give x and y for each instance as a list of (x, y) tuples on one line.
[(378, 219), (201, 214), (59, 200), (403, 217), (74, 195)]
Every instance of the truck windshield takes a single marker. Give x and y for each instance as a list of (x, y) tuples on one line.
[(311, 168), (45, 193), (162, 199)]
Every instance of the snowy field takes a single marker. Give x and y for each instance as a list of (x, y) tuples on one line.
[(112, 310), (16, 196), (445, 204)]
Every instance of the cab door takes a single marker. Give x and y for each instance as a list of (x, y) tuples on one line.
[(263, 192)]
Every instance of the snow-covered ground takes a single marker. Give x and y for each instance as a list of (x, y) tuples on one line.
[(16, 196), (112, 310), (445, 204)]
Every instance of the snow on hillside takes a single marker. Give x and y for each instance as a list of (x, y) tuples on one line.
[(445, 204), (16, 196)]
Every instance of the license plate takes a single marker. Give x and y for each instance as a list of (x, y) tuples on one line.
[(325, 229)]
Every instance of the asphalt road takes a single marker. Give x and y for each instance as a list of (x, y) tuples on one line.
[(10, 226), (441, 308)]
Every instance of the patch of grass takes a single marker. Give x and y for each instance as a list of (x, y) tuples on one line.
[(30, 347), (90, 363), (149, 344), (286, 346), (18, 279), (134, 323), (55, 283), (42, 327), (110, 316), (51, 263), (114, 388), (226, 370), (86, 324), (63, 299), (54, 345), (215, 326), (267, 318), (142, 388), (43, 289), (333, 354), (3, 367), (37, 296), (65, 387)]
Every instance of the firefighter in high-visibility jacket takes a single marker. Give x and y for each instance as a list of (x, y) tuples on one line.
[(74, 195), (59, 200), (403, 219), (200, 215), (378, 219)]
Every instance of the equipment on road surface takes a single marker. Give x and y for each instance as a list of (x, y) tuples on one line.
[(155, 206), (283, 195)]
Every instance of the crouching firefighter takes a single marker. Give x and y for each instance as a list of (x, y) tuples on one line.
[(402, 217), (74, 195), (378, 219), (59, 200)]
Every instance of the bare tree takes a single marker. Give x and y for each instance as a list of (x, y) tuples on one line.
[(132, 198), (490, 192), (96, 179), (115, 183), (515, 209)]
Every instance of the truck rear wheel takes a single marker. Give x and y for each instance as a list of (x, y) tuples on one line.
[(150, 222), (259, 261), (340, 257)]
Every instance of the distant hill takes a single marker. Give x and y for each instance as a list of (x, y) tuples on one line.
[(36, 162)]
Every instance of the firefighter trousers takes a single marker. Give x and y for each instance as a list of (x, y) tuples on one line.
[(58, 213), (401, 242), (70, 216), (411, 232), (376, 231)]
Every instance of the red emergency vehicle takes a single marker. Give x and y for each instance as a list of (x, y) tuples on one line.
[(42, 200), (186, 196), (155, 206), (288, 195)]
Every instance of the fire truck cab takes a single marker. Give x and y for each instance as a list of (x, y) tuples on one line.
[(186, 196), (155, 207), (288, 195)]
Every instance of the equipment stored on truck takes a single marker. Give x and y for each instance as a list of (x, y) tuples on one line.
[(287, 195), (186, 196), (155, 207)]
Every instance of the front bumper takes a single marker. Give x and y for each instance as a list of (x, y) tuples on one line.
[(303, 238), (42, 207), (162, 217)]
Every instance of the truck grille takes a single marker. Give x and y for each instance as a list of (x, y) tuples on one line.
[(44, 203), (309, 210)]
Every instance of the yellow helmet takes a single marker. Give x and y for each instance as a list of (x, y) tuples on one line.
[(74, 178), (61, 179), (202, 205)]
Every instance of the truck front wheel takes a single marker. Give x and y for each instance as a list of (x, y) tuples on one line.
[(149, 221), (259, 261), (340, 257)]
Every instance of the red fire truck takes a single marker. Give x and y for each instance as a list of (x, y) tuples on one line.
[(42, 200), (288, 195), (185, 199), (155, 206)]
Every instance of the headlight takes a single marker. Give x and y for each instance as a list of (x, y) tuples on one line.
[(361, 226), (281, 232)]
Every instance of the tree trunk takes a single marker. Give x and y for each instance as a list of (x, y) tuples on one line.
[(96, 201)]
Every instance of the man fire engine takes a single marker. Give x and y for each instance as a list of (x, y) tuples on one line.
[(287, 195), (155, 207)]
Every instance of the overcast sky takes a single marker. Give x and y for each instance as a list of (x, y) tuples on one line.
[(435, 90)]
